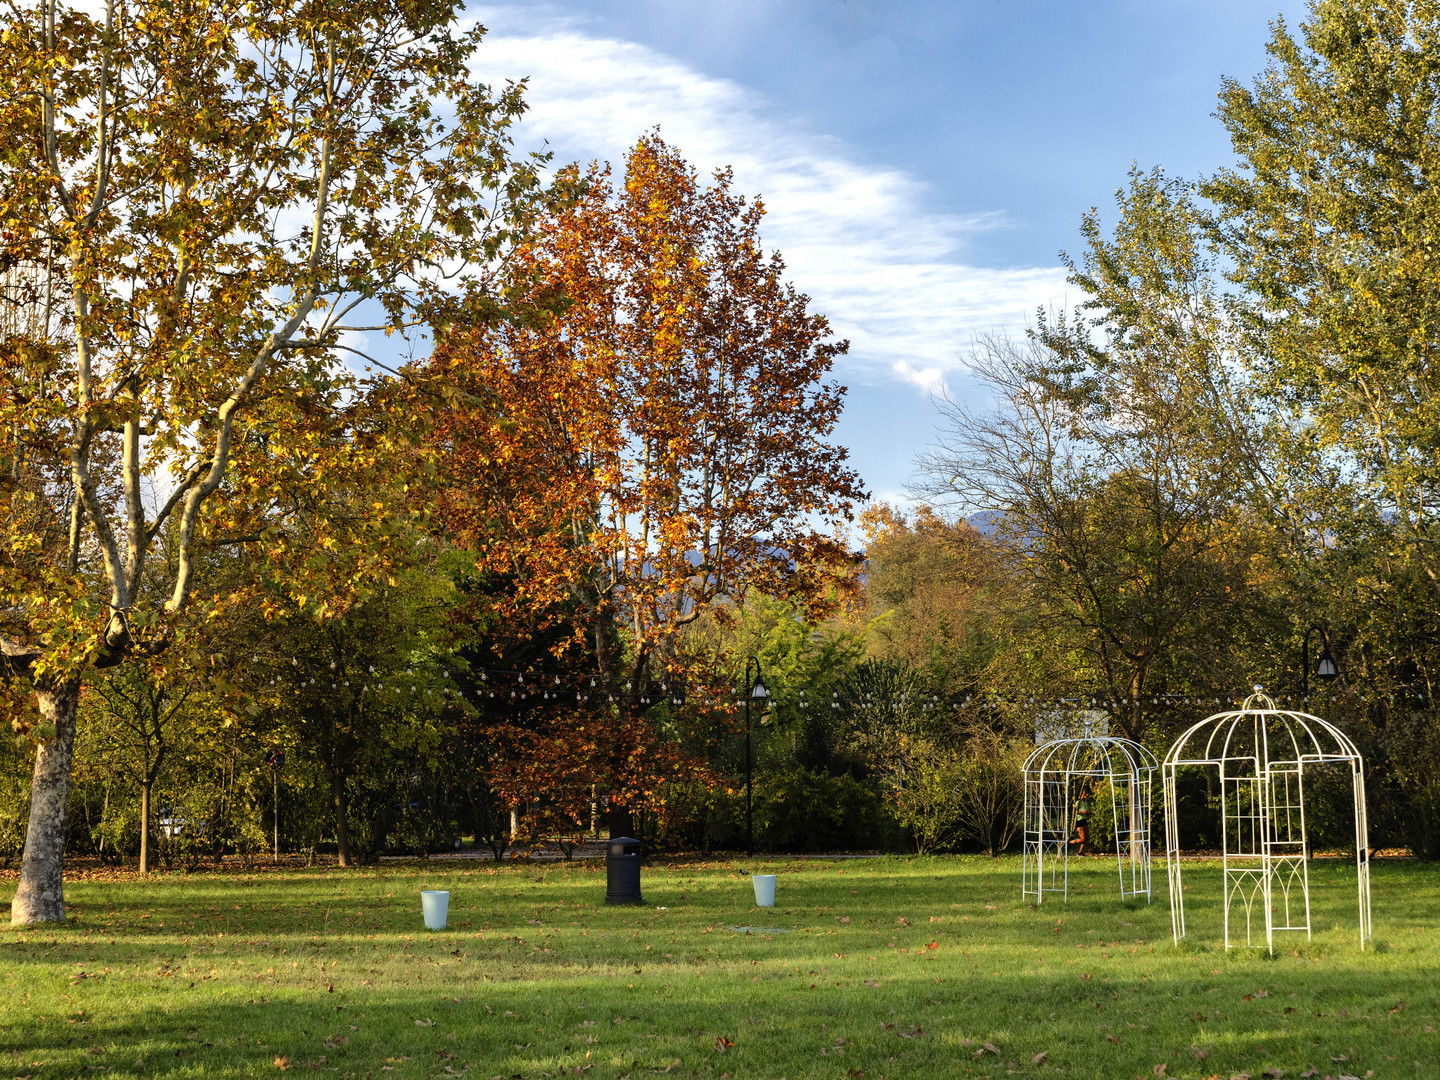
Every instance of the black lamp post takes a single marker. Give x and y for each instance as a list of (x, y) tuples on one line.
[(753, 691), (1325, 668)]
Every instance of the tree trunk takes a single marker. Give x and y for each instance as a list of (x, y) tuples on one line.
[(622, 822), (40, 896), (342, 828), (145, 827)]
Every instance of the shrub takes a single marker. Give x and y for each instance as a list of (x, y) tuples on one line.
[(800, 810)]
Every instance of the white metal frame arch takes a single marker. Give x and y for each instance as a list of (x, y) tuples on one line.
[(1261, 753), (1053, 774)]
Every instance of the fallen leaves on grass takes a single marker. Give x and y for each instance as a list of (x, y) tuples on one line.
[(1396, 1008), (722, 1044), (917, 1032), (1160, 1069), (1273, 1072), (1039, 1059), (282, 1062), (427, 1022)]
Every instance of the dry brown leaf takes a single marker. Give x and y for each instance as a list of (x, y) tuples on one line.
[(1039, 1059), (282, 1062)]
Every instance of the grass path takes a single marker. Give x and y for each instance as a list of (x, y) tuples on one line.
[(867, 970)]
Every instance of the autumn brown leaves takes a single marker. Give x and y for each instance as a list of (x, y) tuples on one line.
[(652, 446)]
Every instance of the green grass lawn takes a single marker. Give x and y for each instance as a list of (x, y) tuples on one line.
[(890, 968)]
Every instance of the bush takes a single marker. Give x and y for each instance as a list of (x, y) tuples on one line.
[(800, 810), (990, 788), (931, 806)]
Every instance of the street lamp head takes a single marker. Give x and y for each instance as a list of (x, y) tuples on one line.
[(1326, 668), (758, 691)]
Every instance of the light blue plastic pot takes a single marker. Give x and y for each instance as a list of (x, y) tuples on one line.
[(435, 904), (764, 889)]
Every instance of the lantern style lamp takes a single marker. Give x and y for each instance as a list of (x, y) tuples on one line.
[(758, 694)]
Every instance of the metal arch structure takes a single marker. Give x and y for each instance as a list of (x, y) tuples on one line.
[(1054, 775), (1262, 753)]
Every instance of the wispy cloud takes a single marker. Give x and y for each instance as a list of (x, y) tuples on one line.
[(861, 239)]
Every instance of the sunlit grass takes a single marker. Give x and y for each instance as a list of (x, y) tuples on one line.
[(890, 968)]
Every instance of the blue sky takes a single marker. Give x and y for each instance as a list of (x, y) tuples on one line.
[(923, 163)]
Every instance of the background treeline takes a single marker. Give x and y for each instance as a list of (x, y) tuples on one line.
[(511, 592)]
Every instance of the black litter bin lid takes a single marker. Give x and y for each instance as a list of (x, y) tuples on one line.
[(624, 845)]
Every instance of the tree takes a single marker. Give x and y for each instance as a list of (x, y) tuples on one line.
[(201, 201), (658, 445), (938, 595), (1116, 472), (1330, 217)]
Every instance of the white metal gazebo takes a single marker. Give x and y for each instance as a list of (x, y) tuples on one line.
[(1056, 775), (1262, 753)]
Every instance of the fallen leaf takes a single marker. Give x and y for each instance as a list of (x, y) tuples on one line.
[(903, 921), (722, 1044), (1159, 1070), (1273, 1072), (1039, 1059), (1199, 1054), (425, 1023), (1086, 976), (1112, 1038), (990, 1047), (1312, 1071), (282, 1062), (1341, 1057), (1396, 1008)]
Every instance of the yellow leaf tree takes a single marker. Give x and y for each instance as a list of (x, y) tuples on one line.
[(203, 204)]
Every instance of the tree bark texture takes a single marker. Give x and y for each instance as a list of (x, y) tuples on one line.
[(40, 896), (342, 828), (145, 827)]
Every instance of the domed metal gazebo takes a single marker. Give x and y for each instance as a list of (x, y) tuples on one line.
[(1262, 754), (1056, 775)]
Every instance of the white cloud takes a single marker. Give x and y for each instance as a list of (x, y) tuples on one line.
[(888, 271)]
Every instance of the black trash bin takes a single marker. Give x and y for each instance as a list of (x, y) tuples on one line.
[(622, 871)]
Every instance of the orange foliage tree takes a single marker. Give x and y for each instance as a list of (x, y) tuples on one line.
[(655, 447)]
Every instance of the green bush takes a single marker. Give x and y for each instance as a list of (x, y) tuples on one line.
[(800, 810)]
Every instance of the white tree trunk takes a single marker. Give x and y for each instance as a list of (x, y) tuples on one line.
[(40, 896)]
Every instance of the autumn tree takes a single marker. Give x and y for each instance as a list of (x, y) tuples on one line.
[(659, 445), (1115, 471), (1328, 219), (203, 203)]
